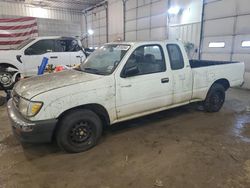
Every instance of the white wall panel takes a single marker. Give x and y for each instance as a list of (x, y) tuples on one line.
[(131, 25), (158, 33), (216, 57), (146, 20), (242, 25), (220, 9), (159, 7), (217, 27), (243, 7), (228, 44), (115, 20), (131, 36), (158, 20), (238, 42), (143, 23), (131, 14), (131, 4), (143, 35)]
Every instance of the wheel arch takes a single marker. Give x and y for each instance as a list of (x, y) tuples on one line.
[(97, 108), (7, 65), (224, 82)]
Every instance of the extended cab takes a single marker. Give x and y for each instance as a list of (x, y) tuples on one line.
[(27, 57), (118, 82)]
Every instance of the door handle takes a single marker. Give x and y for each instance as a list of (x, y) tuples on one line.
[(78, 56), (53, 57), (164, 80), (127, 86)]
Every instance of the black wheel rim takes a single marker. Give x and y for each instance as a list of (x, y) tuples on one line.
[(81, 133), (217, 100)]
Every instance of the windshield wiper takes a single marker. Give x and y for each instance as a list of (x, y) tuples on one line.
[(92, 70)]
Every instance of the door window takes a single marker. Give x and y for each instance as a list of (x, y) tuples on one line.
[(175, 56), (147, 59), (67, 46), (40, 47)]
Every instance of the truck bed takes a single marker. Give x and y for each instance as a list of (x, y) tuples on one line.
[(206, 63)]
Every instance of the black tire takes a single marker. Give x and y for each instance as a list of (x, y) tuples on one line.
[(79, 131), (6, 79), (215, 98)]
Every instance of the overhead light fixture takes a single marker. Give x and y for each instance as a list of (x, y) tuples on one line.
[(174, 10), (216, 45), (245, 44), (90, 32)]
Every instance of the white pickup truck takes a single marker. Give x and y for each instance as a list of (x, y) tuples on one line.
[(27, 57), (118, 82)]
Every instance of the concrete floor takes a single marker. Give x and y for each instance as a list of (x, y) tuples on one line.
[(177, 148)]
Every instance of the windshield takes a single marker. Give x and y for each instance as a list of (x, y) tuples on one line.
[(24, 43), (104, 60)]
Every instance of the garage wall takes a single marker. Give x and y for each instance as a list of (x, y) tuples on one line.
[(227, 22), (96, 20), (50, 22), (146, 20), (186, 25), (115, 20)]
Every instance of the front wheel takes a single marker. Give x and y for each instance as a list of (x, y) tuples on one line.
[(6, 79), (215, 98), (79, 131)]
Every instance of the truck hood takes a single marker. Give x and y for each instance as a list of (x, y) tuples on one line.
[(30, 87), (8, 52)]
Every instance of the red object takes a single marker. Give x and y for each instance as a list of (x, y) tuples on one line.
[(59, 68), (16, 30)]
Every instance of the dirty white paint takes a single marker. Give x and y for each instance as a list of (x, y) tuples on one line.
[(126, 98)]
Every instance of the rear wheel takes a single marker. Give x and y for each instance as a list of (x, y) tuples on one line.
[(215, 98), (79, 131)]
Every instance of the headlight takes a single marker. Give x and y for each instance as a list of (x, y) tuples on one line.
[(23, 106), (34, 108), (29, 108)]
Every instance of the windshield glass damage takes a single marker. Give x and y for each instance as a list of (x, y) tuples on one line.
[(104, 60)]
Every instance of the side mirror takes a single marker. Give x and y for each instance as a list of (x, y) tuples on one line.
[(131, 71)]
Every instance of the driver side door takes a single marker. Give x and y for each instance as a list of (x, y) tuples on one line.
[(144, 84)]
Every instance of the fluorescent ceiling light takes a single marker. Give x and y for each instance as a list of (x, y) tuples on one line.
[(245, 44), (90, 32), (216, 45), (174, 10)]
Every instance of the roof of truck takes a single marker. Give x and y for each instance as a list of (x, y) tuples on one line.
[(144, 42), (54, 37)]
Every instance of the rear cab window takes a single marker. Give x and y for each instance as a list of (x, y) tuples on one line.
[(175, 57)]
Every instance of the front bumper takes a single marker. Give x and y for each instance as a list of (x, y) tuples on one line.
[(29, 131)]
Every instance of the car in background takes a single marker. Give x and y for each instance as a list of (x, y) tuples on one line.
[(27, 57)]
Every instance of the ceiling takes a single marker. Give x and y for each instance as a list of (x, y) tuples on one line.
[(78, 5)]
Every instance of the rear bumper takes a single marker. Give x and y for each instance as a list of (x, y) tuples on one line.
[(29, 131)]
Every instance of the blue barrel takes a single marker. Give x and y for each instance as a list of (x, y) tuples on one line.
[(43, 65)]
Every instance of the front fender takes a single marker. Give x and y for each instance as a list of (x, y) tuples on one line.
[(56, 106)]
